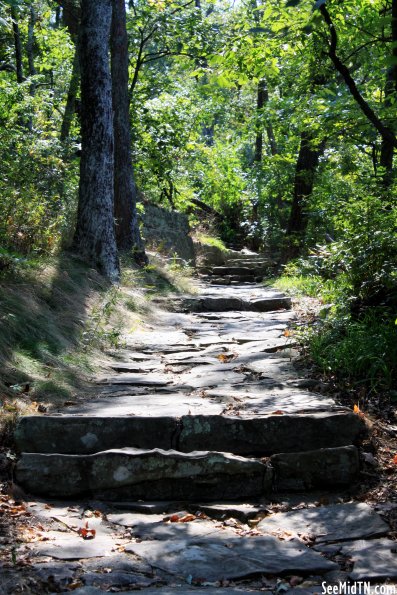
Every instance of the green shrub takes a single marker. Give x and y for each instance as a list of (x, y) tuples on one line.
[(363, 352)]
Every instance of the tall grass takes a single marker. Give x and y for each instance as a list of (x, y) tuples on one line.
[(363, 352)]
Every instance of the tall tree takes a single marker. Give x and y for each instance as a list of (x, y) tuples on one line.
[(30, 55), (310, 151), (17, 44), (95, 236), (388, 137), (127, 227), (71, 18), (70, 108)]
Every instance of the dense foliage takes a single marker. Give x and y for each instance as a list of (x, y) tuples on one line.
[(271, 124)]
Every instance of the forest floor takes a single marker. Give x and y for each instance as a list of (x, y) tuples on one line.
[(41, 549)]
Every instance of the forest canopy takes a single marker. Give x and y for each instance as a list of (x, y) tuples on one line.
[(273, 123)]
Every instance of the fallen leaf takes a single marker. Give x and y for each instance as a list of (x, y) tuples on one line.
[(357, 411), (225, 357), (75, 585), (86, 533), (278, 412), (395, 459), (178, 518)]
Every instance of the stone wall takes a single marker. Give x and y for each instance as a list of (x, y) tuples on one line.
[(168, 231)]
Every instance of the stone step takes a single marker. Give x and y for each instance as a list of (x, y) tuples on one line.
[(235, 270), (219, 280), (234, 280), (228, 304), (258, 262), (240, 434), (157, 474), (127, 474), (254, 278), (237, 256)]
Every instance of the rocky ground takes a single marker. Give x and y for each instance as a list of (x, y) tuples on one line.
[(208, 462)]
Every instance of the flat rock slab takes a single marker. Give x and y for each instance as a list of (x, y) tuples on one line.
[(154, 349), (171, 591), (151, 527), (204, 377), (66, 546), (135, 355), (135, 474), (136, 367), (225, 510), (151, 405), (137, 379), (230, 558), (270, 398), (329, 523), (167, 337), (191, 361), (115, 581), (374, 559)]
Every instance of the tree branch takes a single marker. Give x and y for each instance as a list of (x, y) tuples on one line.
[(383, 130)]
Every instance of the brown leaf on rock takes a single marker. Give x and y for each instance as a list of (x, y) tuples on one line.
[(224, 358), (180, 518), (86, 533)]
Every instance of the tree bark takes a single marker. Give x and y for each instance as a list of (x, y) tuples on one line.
[(306, 166), (30, 55), (71, 16), (387, 147), (260, 102), (128, 235), (95, 236), (17, 45), (70, 108)]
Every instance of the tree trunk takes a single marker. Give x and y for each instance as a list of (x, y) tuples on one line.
[(30, 54), (306, 166), (57, 17), (387, 147), (95, 236), (260, 102), (17, 44), (127, 227), (70, 107)]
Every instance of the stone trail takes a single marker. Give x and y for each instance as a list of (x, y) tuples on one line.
[(204, 418)]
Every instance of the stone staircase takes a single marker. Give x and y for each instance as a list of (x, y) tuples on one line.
[(237, 268), (205, 407)]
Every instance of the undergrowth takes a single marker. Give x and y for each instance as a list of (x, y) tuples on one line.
[(356, 349), (58, 321), (209, 240)]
